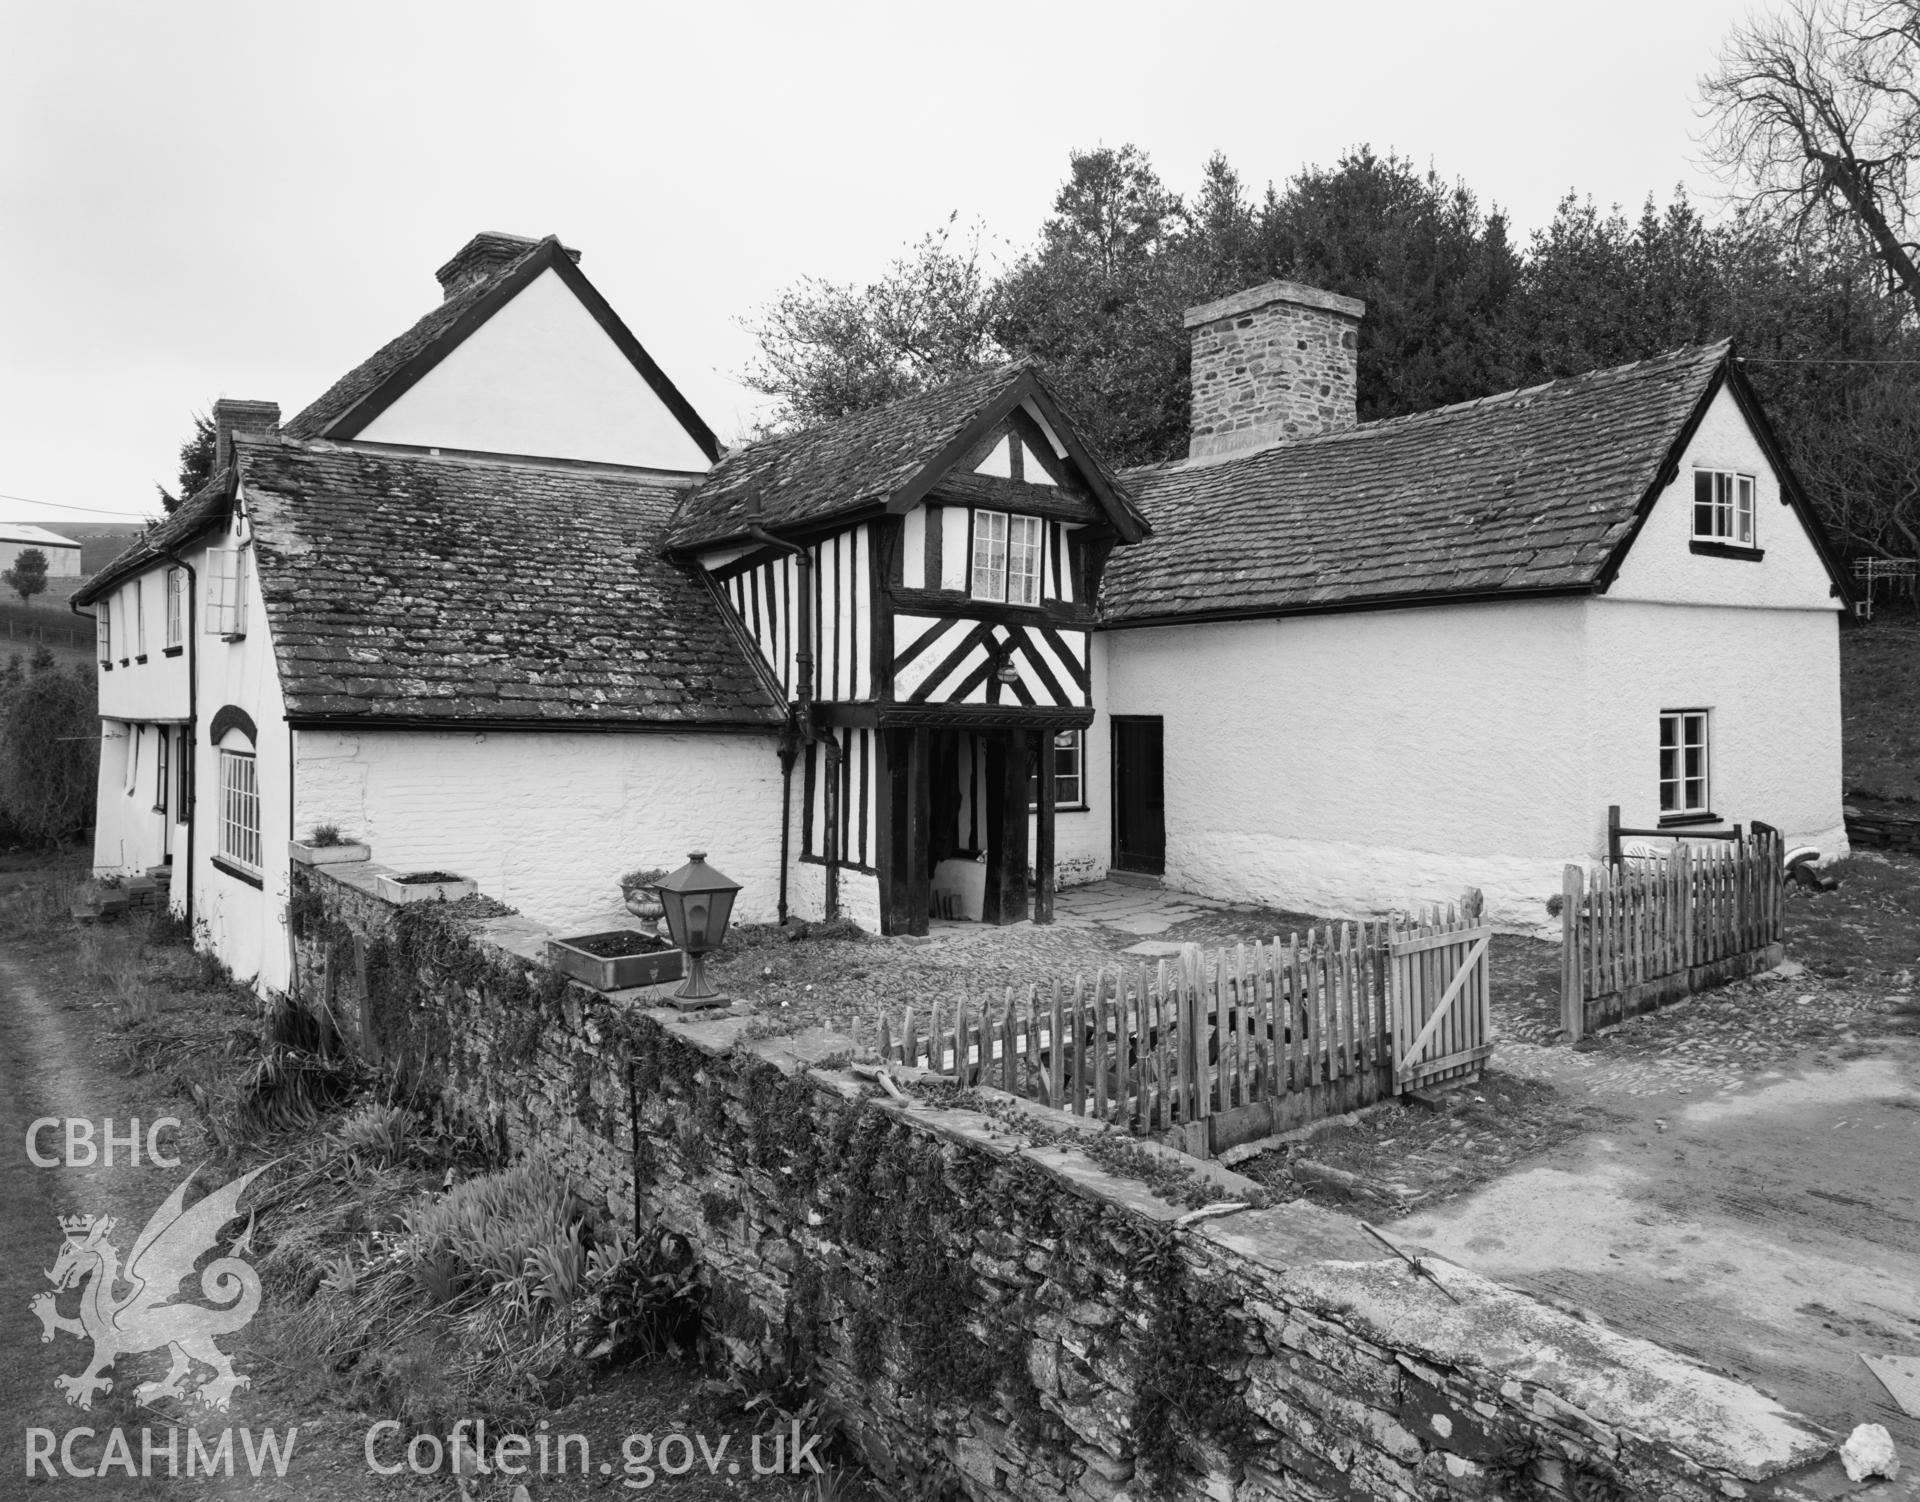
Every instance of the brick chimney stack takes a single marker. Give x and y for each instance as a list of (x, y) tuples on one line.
[(486, 254), (1274, 362), (231, 416)]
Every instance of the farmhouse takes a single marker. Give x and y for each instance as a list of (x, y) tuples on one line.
[(498, 603), (62, 553)]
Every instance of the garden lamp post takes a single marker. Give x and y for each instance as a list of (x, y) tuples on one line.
[(698, 900)]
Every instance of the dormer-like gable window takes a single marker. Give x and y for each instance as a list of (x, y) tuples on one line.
[(1006, 557), (1723, 507), (227, 578)]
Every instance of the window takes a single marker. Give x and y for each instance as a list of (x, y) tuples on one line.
[(239, 809), (139, 620), (1683, 762), (183, 778), (227, 574), (160, 749), (176, 606), (1068, 791), (133, 758), (103, 632), (1006, 557), (1723, 507)]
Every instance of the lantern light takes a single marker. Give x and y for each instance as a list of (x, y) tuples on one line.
[(698, 901)]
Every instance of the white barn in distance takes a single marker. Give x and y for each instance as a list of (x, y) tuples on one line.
[(62, 553), (497, 603)]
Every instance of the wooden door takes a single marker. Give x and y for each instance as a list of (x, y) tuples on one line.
[(1139, 795)]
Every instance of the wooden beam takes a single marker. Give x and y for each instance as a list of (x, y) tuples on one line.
[(1006, 895), (919, 821), (1043, 829)]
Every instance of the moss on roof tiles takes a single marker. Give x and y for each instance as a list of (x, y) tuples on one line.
[(406, 587)]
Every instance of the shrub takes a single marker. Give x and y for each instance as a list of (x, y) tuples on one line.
[(49, 750)]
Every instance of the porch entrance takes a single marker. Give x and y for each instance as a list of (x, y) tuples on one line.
[(969, 821), (1139, 795)]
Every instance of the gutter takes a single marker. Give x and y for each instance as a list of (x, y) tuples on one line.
[(1348, 607)]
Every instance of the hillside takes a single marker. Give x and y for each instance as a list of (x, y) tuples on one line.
[(1880, 711)]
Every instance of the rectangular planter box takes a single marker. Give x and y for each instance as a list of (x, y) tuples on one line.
[(618, 974), (327, 855), (395, 890)]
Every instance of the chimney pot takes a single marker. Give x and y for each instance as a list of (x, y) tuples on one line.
[(486, 255), (232, 416), (1274, 362)]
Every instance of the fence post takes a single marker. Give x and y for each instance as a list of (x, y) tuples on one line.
[(1572, 1004), (1613, 834)]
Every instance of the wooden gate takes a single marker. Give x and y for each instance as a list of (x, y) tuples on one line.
[(1441, 1025)]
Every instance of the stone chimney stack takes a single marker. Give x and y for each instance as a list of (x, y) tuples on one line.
[(486, 254), (231, 416), (1274, 362)]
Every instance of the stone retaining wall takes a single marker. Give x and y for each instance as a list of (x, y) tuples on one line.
[(1017, 1313)]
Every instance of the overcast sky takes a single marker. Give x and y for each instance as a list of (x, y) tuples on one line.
[(247, 199)]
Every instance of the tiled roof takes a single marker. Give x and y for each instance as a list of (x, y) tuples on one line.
[(838, 467), (338, 399), (1526, 490), (206, 507), (437, 589)]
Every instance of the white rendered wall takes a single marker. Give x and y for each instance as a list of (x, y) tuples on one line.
[(129, 834), (1352, 764), (1083, 838), (1770, 680), (246, 925), (156, 689), (540, 377), (1663, 566), (548, 821)]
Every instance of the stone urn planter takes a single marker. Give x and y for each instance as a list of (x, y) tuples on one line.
[(424, 886), (617, 960), (637, 889)]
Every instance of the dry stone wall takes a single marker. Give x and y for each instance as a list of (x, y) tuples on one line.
[(1014, 1313)]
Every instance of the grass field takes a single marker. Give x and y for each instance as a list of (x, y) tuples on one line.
[(1880, 712)]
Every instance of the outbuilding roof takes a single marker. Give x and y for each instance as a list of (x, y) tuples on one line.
[(38, 537), (1527, 491), (434, 590), (890, 455)]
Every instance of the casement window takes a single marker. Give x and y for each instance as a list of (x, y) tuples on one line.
[(1723, 507), (161, 747), (176, 607), (1007, 552), (1683, 762), (103, 631), (228, 570), (133, 759), (183, 779), (1068, 789), (239, 809), (139, 620)]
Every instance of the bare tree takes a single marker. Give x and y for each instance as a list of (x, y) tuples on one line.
[(1816, 117)]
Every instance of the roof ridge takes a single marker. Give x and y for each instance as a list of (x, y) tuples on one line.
[(1679, 355)]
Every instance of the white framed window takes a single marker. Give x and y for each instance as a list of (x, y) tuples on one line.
[(228, 570), (1007, 553), (1069, 791), (161, 746), (1684, 785), (133, 758), (139, 618), (239, 809), (103, 631), (176, 606), (1723, 507)]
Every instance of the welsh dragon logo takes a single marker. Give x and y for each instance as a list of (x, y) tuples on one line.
[(146, 1317)]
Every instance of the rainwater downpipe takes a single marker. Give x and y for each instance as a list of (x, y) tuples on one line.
[(801, 724)]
